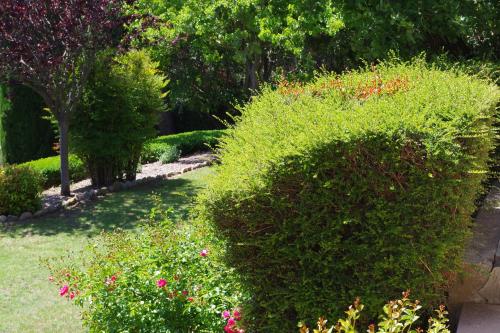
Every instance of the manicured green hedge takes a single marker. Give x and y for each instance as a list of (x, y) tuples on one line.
[(354, 185), (49, 167), (187, 143), (20, 189)]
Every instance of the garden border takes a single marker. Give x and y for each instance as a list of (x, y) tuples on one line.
[(94, 194)]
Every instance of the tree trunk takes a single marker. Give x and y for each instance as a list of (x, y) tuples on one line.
[(64, 153)]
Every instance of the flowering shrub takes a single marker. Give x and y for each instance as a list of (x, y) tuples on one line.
[(168, 278), (399, 317)]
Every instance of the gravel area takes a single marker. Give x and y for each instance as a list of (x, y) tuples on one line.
[(52, 195)]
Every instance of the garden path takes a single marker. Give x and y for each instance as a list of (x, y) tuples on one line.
[(52, 195)]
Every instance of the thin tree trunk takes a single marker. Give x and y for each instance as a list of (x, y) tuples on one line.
[(64, 153)]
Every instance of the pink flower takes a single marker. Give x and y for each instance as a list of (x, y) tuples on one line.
[(226, 314), (71, 295), (204, 253), (237, 315), (229, 329), (161, 283), (113, 278), (184, 292), (231, 322), (64, 290)]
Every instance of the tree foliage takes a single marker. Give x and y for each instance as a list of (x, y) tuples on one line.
[(49, 45)]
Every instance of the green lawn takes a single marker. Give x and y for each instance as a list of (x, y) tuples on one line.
[(28, 302)]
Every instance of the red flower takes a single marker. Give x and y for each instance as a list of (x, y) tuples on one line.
[(71, 295), (161, 283), (64, 290), (184, 292), (190, 299)]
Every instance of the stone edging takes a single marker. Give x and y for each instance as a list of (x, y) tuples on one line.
[(93, 194)]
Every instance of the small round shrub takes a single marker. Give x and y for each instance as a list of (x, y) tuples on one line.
[(170, 154), (354, 185), (20, 190), (167, 278), (120, 107)]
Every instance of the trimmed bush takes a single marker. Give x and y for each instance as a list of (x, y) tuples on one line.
[(354, 185), (167, 278), (187, 143), (20, 189), (170, 154), (49, 168), (121, 105)]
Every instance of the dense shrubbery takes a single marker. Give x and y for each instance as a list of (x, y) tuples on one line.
[(120, 108), (167, 278), (187, 143), (354, 185), (20, 189), (49, 167)]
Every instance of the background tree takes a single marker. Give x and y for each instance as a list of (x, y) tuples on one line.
[(50, 45)]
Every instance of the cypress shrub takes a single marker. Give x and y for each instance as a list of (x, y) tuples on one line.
[(355, 185), (28, 135)]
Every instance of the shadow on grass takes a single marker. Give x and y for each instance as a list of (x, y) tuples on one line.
[(125, 210)]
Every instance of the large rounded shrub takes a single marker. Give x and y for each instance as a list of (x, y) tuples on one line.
[(358, 185), (118, 114), (20, 190)]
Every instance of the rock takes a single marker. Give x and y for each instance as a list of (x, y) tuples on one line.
[(102, 191), (41, 212), (129, 184), (491, 290), (171, 174), (187, 169), (117, 186), (25, 216), (12, 218), (3, 218), (80, 196), (54, 208), (70, 202)]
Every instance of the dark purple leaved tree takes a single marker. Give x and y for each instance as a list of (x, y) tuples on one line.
[(50, 45)]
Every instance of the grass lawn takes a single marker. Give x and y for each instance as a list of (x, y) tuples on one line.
[(28, 301)]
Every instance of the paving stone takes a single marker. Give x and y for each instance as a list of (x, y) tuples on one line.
[(479, 318), (480, 257)]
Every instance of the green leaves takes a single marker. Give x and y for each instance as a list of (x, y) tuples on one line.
[(346, 187)]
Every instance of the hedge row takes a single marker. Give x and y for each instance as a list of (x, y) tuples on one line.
[(354, 185), (20, 189), (187, 143), (49, 168)]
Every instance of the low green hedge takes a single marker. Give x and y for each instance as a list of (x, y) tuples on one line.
[(49, 167), (20, 189), (187, 143), (354, 185)]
